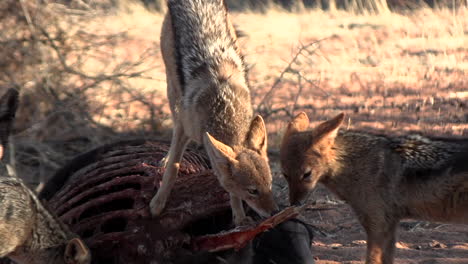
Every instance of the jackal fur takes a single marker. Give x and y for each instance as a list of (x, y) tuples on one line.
[(210, 104), (384, 179)]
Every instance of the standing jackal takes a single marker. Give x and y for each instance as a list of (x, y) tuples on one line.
[(384, 179), (28, 232), (210, 103)]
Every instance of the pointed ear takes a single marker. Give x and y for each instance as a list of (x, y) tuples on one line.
[(325, 133), (299, 123), (219, 152), (77, 252), (8, 106), (257, 136)]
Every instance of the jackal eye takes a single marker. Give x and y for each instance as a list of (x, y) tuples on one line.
[(253, 191), (307, 175)]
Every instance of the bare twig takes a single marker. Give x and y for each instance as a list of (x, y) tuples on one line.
[(96, 78), (287, 69)]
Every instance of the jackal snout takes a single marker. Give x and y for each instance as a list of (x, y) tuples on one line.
[(253, 177), (243, 170), (305, 156), (247, 176)]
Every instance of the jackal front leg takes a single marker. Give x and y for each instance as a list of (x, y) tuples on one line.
[(163, 162), (380, 242), (178, 144)]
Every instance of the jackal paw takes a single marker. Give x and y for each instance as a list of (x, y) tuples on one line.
[(163, 161), (157, 205)]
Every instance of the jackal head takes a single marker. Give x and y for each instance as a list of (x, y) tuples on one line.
[(306, 155), (244, 171)]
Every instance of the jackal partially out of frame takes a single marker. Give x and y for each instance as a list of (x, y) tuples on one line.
[(384, 179), (210, 104), (29, 233)]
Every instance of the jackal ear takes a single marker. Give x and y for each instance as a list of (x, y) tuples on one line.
[(326, 132), (257, 136), (299, 123), (77, 252), (219, 153), (8, 106)]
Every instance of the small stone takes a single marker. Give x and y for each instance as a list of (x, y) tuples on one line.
[(141, 249), (358, 242), (437, 244), (335, 245)]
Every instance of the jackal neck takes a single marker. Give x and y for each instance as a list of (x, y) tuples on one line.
[(226, 107), (203, 34), (48, 231), (352, 153)]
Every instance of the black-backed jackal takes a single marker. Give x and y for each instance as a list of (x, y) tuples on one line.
[(210, 104), (384, 179)]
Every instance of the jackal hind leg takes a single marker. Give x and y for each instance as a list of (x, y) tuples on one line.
[(381, 238), (458, 204), (178, 144)]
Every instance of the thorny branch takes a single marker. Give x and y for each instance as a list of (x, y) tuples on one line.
[(95, 78), (306, 50)]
